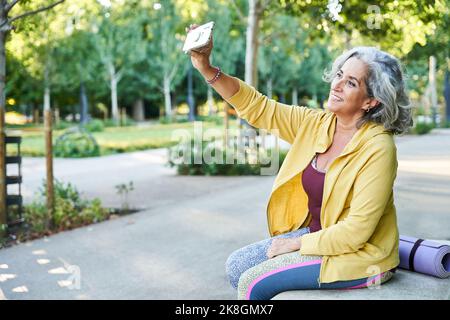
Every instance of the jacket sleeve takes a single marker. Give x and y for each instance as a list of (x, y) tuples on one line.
[(372, 190), (261, 112)]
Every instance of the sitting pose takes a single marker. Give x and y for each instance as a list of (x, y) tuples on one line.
[(331, 213)]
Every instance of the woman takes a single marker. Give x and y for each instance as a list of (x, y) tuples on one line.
[(331, 213)]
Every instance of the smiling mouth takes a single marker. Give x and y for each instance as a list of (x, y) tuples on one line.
[(337, 98)]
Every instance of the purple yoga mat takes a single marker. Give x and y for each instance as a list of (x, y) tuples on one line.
[(424, 256)]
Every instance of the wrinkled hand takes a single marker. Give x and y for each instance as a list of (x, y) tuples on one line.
[(281, 246)]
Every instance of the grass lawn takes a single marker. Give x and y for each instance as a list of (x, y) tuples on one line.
[(112, 139)]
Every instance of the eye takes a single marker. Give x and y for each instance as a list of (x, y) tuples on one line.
[(339, 75), (351, 84)]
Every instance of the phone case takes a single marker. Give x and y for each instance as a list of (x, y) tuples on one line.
[(199, 37)]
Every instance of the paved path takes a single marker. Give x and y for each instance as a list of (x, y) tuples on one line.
[(177, 246)]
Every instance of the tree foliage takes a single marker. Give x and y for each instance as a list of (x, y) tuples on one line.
[(142, 40)]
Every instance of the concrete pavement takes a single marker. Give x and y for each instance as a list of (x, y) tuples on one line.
[(176, 247)]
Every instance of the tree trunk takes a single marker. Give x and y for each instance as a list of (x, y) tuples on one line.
[(252, 44), (123, 116), (210, 101), (49, 164), (3, 211), (74, 114), (295, 97), (83, 104), (138, 110), (57, 116), (190, 95), (48, 147), (114, 103), (269, 88), (167, 98), (46, 98), (433, 92), (447, 96), (35, 114)]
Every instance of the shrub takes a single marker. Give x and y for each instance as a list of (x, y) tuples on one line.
[(190, 153), (76, 143), (122, 123), (95, 125), (175, 119), (70, 211), (218, 120), (62, 125), (422, 128)]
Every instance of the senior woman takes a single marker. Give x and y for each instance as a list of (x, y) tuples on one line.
[(331, 212)]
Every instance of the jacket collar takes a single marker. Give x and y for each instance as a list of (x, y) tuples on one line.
[(365, 133)]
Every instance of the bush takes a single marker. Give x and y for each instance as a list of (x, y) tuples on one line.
[(216, 168), (218, 120), (76, 143), (422, 128), (95, 125), (175, 119), (111, 123), (61, 125), (70, 211)]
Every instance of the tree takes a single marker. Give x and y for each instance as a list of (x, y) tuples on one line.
[(166, 47), (227, 40), (77, 64), (437, 45), (118, 40), (5, 27)]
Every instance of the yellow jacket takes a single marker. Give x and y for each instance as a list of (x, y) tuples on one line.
[(359, 236)]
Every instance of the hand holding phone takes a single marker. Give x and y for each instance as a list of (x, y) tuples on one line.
[(198, 37)]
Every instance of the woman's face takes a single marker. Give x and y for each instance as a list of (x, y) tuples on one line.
[(348, 94)]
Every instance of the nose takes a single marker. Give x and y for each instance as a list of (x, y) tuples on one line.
[(337, 84)]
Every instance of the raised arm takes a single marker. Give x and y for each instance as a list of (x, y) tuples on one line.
[(261, 112)]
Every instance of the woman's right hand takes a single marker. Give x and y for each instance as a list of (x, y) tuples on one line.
[(200, 56)]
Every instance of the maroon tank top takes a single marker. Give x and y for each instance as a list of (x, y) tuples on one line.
[(313, 180)]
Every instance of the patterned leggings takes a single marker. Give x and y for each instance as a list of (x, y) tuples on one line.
[(258, 278)]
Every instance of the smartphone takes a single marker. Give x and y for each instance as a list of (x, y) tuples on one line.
[(198, 37)]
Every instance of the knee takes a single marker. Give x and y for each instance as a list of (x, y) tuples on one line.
[(244, 285), (232, 268), (247, 288)]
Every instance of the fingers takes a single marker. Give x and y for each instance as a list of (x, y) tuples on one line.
[(271, 252)]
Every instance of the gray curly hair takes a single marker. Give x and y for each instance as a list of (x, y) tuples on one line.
[(384, 82)]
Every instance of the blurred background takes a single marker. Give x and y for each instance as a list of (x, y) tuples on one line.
[(93, 92), (112, 60)]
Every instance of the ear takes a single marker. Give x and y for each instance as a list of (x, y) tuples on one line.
[(372, 103)]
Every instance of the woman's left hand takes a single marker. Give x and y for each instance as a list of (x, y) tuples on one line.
[(281, 246)]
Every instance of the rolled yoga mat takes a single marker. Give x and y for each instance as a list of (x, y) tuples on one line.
[(424, 256)]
